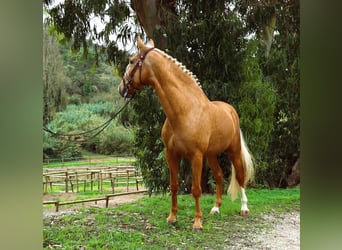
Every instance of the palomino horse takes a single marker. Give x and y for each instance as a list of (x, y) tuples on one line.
[(195, 128)]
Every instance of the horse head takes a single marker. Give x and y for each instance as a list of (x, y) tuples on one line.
[(135, 76)]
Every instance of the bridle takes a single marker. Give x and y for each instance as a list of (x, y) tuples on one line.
[(129, 77)]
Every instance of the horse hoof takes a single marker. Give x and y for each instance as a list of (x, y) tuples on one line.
[(244, 212), (171, 222), (215, 210), (197, 228)]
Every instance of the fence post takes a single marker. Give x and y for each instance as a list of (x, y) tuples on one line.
[(57, 206), (136, 179), (66, 182), (107, 201), (127, 179), (77, 189)]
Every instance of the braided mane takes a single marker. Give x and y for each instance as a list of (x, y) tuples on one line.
[(181, 66)]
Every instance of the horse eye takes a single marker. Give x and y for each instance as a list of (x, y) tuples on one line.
[(131, 61)]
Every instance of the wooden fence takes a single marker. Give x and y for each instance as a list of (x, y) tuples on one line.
[(107, 197), (75, 179)]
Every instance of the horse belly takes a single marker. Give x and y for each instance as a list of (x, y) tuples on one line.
[(223, 128), (218, 143)]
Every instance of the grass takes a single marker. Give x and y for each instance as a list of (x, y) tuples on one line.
[(142, 224)]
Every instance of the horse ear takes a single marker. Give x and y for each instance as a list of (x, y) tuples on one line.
[(141, 44)]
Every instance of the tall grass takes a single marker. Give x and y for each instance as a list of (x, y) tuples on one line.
[(142, 224)]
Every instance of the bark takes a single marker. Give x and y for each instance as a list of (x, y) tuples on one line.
[(267, 37), (154, 16), (294, 178)]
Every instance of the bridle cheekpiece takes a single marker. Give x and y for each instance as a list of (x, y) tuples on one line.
[(129, 77)]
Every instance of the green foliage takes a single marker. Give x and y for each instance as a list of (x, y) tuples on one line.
[(282, 68), (87, 83), (59, 149), (115, 139), (256, 108), (148, 146), (90, 88), (54, 95), (70, 21)]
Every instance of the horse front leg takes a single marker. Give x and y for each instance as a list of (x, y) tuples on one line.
[(173, 163), (196, 189)]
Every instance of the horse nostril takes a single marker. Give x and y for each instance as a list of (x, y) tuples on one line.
[(123, 90)]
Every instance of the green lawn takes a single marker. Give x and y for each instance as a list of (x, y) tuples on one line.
[(142, 224)]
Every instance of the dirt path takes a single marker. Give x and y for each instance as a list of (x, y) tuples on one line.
[(283, 234)]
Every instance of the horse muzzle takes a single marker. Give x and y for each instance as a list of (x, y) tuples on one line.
[(126, 90), (122, 89)]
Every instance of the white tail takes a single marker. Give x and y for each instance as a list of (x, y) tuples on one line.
[(247, 162)]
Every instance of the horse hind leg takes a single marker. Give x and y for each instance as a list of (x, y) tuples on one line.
[(217, 172), (244, 200), (237, 183)]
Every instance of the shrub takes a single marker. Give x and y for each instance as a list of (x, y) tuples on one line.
[(59, 149), (116, 140)]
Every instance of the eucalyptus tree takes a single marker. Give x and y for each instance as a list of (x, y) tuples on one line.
[(54, 96)]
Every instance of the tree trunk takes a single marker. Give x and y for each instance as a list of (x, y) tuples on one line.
[(154, 16), (267, 37), (294, 178)]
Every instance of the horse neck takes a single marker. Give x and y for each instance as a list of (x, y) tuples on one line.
[(178, 92)]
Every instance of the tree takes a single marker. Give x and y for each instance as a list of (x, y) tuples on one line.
[(280, 65), (282, 68), (156, 17), (71, 19), (54, 96), (84, 76)]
